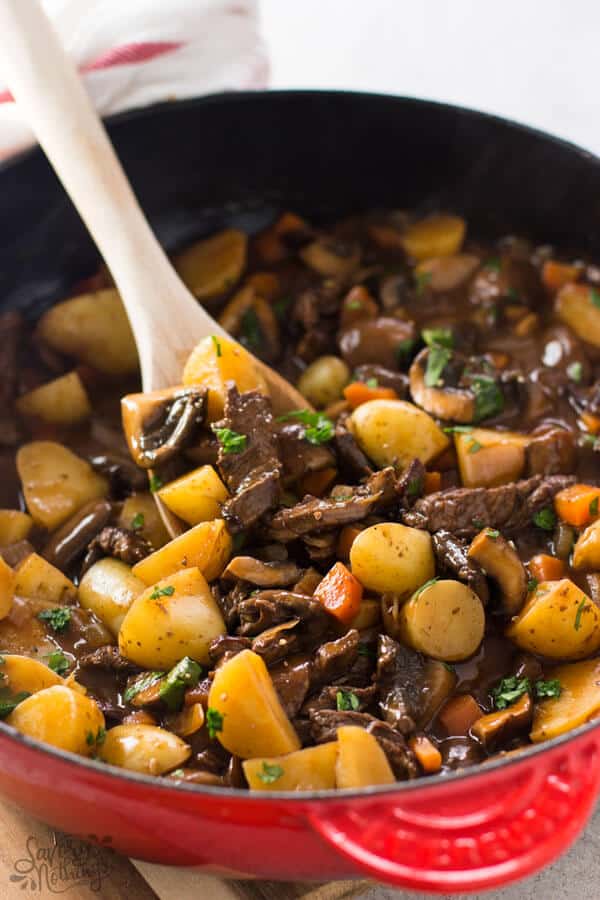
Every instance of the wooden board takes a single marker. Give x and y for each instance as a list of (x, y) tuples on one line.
[(36, 861)]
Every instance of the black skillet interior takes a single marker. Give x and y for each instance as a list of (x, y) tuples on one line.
[(204, 164)]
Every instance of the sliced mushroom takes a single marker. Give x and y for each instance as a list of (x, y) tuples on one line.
[(158, 425), (72, 538), (264, 574), (277, 642), (331, 256), (500, 561), (503, 725), (444, 402)]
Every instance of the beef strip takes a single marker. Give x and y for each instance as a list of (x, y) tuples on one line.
[(109, 658), (325, 722), (276, 643), (11, 328), (352, 460), (252, 475), (327, 698), (399, 680), (451, 556), (291, 678), (268, 608), (465, 511), (229, 602), (225, 646), (398, 381), (121, 543), (333, 659), (299, 456)]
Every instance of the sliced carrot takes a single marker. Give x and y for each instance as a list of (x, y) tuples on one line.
[(458, 714), (316, 483), (270, 246), (578, 504), (592, 423), (340, 593), (544, 567), (348, 534), (358, 304), (358, 392), (432, 482), (428, 755), (266, 284), (556, 274)]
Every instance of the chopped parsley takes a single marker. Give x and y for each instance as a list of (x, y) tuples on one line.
[(474, 447), (155, 483), (593, 507), (58, 662), (595, 297), (545, 518), (509, 690), (550, 688), (414, 488), (425, 586), (590, 440), (184, 675), (281, 306), (9, 701), (489, 399), (449, 667), (422, 279), (438, 337), (58, 619), (353, 304), (404, 349), (270, 772), (214, 721), (94, 740), (137, 522), (492, 533), (493, 263), (217, 345), (579, 613), (458, 429), (167, 591), (141, 683), (437, 360), (230, 441), (346, 700), (363, 650), (478, 523), (250, 329), (532, 585), (372, 383), (318, 429), (575, 371)]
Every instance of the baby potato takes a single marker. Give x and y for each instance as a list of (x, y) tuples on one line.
[(586, 552), (108, 589), (311, 769), (140, 512), (63, 401), (392, 558), (56, 482), (444, 620), (7, 589), (144, 748), (499, 459), (575, 306), (361, 762), (206, 546), (14, 526), (558, 621), (323, 381), (394, 432), (437, 235), (579, 700), (24, 674), (216, 360), (35, 577), (176, 617), (61, 717), (195, 497), (253, 721), (212, 266), (93, 328)]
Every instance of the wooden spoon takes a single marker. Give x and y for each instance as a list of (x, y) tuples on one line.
[(165, 317)]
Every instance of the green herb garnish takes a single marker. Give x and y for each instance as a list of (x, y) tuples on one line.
[(414, 488), (595, 296), (318, 429), (230, 441), (250, 329), (474, 447), (214, 721), (217, 345), (489, 399), (458, 429), (575, 371), (137, 522), (545, 518), (353, 304), (438, 337), (593, 507), (9, 701), (509, 690), (281, 306), (494, 263), (270, 773), (532, 585), (363, 650), (94, 740), (404, 349), (155, 483), (167, 591), (424, 587), (372, 383), (422, 279), (346, 700), (492, 533), (141, 683), (184, 675), (579, 613), (58, 662), (550, 688), (437, 360), (58, 619)]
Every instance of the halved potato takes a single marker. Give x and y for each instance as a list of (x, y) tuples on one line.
[(214, 265), (310, 769), (65, 718), (7, 589), (487, 458), (578, 306), (62, 401), (579, 700), (108, 589), (14, 526), (144, 748), (195, 497), (206, 546), (392, 558), (361, 762), (216, 360), (444, 620), (24, 674), (394, 432), (35, 577), (586, 552)]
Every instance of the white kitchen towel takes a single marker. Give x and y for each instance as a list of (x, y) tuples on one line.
[(136, 52)]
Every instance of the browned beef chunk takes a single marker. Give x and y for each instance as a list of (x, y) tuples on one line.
[(325, 722), (229, 602), (398, 381), (451, 557), (312, 514), (352, 460), (299, 456), (399, 680), (411, 482), (278, 642), (268, 608), (225, 646), (253, 474), (122, 543), (321, 547), (551, 453), (108, 658), (465, 511), (329, 697), (264, 574), (291, 679), (334, 658), (11, 327)]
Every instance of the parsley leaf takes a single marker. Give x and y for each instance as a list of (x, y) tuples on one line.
[(550, 688), (214, 721), (492, 533), (593, 507), (458, 429), (414, 488), (422, 279), (493, 263), (281, 306), (423, 587), (437, 360), (217, 345), (141, 683), (509, 690), (9, 701), (372, 383), (58, 662), (167, 591), (250, 329), (438, 337), (545, 518), (575, 371), (353, 303), (404, 349), (532, 585), (346, 700), (58, 619), (270, 772), (185, 674), (230, 441), (137, 522), (363, 650), (318, 429), (474, 447), (489, 399), (155, 483), (595, 296), (579, 613)]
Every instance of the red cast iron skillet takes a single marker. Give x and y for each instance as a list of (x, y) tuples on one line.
[(236, 159)]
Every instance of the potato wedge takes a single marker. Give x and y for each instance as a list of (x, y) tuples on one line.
[(323, 381), (394, 432), (444, 619), (144, 748), (361, 762), (216, 360), (141, 513), (213, 266), (392, 558), (310, 769), (14, 526), (7, 588), (62, 717), (586, 553), (253, 721), (577, 305), (487, 458), (24, 674), (56, 482), (195, 497), (436, 235), (206, 546), (176, 617), (63, 401), (108, 589), (35, 577), (93, 328), (579, 700), (558, 621)]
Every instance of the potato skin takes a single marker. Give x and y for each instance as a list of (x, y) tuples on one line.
[(108, 589), (392, 558), (361, 761), (62, 401), (144, 748), (444, 620), (24, 674), (37, 578), (62, 717), (323, 381), (195, 497), (310, 769), (206, 546), (394, 432), (162, 627)]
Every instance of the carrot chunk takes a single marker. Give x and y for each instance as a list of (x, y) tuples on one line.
[(578, 504), (428, 755), (591, 422), (458, 714), (346, 539), (432, 482), (556, 274), (358, 392), (340, 593), (316, 483), (544, 567)]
